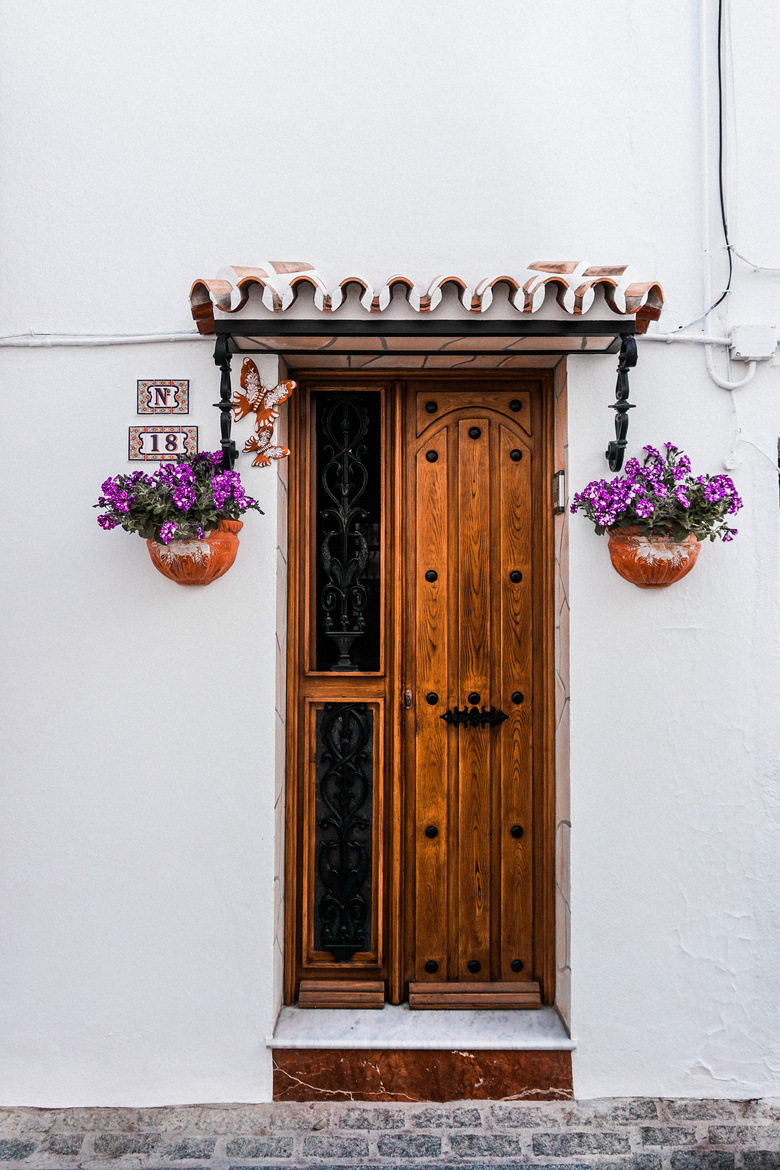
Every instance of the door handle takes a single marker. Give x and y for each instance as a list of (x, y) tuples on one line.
[(473, 717)]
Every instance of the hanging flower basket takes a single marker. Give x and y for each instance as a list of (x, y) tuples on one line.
[(188, 513), (657, 514), (196, 561), (654, 561)]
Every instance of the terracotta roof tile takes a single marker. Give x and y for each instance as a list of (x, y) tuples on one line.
[(575, 282)]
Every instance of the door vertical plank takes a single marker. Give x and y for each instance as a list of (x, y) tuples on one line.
[(432, 653), (475, 675), (516, 743)]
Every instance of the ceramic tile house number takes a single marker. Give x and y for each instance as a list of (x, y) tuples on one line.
[(163, 396), (160, 442)]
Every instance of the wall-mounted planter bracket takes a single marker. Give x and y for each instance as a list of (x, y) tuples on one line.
[(617, 447), (222, 357)]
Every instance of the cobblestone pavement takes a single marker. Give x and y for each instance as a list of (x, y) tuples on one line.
[(632, 1133)]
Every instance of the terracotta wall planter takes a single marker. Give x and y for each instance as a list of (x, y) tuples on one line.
[(198, 562), (651, 562)]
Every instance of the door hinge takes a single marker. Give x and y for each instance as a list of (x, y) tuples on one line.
[(559, 493)]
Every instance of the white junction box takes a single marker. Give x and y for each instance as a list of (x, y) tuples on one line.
[(753, 343)]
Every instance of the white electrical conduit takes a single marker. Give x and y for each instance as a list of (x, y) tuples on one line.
[(694, 339), (723, 382), (709, 342), (49, 340), (45, 340)]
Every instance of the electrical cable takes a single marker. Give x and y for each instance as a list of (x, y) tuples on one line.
[(721, 194)]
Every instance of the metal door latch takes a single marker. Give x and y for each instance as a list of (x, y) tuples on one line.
[(473, 717)]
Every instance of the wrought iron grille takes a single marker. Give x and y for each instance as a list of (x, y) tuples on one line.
[(343, 826), (347, 529)]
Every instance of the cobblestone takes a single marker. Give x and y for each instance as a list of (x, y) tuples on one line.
[(335, 1147), (13, 1149), (638, 1133), (741, 1135), (762, 1160), (115, 1145), (409, 1145), (372, 1118), (667, 1135), (701, 1160), (688, 1110), (195, 1148), (64, 1143), (566, 1145), (457, 1118), (274, 1147)]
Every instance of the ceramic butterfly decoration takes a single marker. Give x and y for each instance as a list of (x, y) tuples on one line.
[(264, 404)]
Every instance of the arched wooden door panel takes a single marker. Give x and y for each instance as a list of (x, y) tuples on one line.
[(470, 577)]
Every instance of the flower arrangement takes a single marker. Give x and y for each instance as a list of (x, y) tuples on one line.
[(661, 495), (181, 501)]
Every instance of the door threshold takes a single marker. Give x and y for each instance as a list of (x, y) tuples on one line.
[(396, 1027)]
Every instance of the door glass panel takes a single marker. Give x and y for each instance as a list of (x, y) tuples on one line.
[(347, 488), (343, 827)]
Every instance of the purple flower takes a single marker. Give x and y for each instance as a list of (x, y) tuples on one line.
[(167, 532), (107, 522), (661, 492)]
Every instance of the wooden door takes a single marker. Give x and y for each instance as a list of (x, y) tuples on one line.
[(471, 568), (419, 713)]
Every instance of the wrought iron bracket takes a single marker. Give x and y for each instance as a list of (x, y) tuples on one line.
[(225, 404), (627, 360), (473, 717)]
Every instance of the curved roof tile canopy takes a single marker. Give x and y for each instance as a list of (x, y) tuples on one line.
[(575, 282)]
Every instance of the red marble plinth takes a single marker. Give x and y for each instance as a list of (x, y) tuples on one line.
[(333, 1074)]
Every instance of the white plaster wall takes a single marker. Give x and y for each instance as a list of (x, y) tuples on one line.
[(137, 835), (675, 742), (146, 145)]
